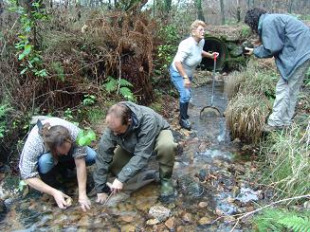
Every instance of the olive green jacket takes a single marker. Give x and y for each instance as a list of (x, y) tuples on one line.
[(139, 140)]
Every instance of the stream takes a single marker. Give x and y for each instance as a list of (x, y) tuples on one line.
[(214, 178)]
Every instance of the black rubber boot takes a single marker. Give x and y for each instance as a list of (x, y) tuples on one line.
[(186, 109), (184, 122)]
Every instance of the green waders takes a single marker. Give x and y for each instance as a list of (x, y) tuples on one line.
[(165, 149)]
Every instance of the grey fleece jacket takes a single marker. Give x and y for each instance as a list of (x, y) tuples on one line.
[(285, 38), (138, 140)]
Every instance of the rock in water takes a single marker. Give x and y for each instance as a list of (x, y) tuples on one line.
[(117, 198), (159, 212), (190, 187)]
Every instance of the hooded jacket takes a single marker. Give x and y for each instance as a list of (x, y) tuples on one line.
[(139, 140)]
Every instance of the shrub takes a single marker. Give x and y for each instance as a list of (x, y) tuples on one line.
[(4, 109)]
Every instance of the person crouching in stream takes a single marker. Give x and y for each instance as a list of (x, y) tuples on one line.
[(134, 133), (51, 149), (189, 55)]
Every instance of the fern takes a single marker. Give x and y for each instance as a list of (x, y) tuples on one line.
[(125, 83), (296, 223), (126, 93), (112, 85), (281, 220)]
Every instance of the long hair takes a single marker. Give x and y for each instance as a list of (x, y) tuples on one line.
[(54, 136), (252, 18)]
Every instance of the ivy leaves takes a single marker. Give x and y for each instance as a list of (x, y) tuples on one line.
[(85, 138)]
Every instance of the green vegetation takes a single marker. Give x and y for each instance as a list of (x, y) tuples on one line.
[(85, 137), (57, 67), (286, 161), (245, 31), (166, 50), (282, 220), (120, 86), (283, 154), (245, 116), (27, 46), (251, 93), (4, 109), (307, 81), (89, 100), (95, 115)]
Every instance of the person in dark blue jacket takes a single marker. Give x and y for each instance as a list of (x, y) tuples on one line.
[(287, 39)]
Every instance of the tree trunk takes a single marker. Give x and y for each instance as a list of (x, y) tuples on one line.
[(200, 15), (289, 7), (1, 7), (238, 11), (222, 11), (168, 5), (250, 3)]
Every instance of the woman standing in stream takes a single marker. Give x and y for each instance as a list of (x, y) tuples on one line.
[(189, 55)]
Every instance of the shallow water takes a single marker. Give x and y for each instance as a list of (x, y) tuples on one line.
[(207, 160)]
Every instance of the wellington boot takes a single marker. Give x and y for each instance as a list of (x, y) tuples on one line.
[(184, 122), (167, 191)]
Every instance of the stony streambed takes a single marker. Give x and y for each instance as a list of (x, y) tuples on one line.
[(215, 180)]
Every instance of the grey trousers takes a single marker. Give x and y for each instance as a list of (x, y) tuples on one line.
[(286, 97)]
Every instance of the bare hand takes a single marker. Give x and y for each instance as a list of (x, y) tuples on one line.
[(116, 186), (63, 201), (249, 51), (85, 203), (215, 54), (101, 197), (187, 83)]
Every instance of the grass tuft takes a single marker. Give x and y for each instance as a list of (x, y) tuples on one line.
[(287, 157), (245, 116)]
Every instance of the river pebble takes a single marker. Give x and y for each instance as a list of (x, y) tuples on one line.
[(205, 221), (128, 228), (187, 217), (171, 223), (159, 212), (203, 204), (152, 222)]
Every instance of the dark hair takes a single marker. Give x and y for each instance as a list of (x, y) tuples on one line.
[(120, 110), (54, 136), (252, 18)]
